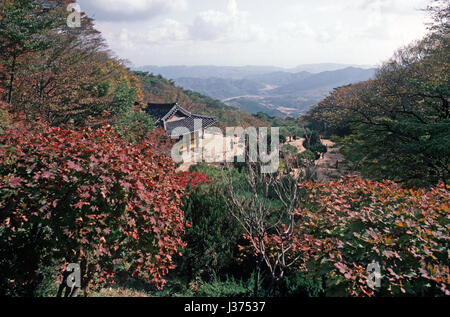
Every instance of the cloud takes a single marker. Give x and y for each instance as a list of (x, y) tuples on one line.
[(299, 31), (231, 25), (168, 31), (391, 6), (358, 21), (263, 32), (125, 10)]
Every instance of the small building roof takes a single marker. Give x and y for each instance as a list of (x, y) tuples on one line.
[(189, 123), (160, 110), (164, 111)]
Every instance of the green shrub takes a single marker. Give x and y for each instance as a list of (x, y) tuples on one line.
[(288, 150), (134, 125), (315, 145), (48, 286), (299, 284), (230, 287), (213, 237)]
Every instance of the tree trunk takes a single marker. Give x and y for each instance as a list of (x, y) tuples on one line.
[(12, 77), (257, 275), (274, 281)]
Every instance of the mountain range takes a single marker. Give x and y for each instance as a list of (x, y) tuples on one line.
[(272, 90)]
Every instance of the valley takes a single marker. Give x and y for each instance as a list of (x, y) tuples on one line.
[(275, 91)]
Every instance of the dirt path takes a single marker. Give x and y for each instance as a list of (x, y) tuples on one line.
[(329, 167), (298, 144)]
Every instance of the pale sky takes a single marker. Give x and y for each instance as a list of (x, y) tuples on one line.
[(284, 33)]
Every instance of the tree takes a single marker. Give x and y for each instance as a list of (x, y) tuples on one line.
[(23, 25), (439, 10), (397, 126), (69, 81), (264, 206), (314, 144), (67, 77)]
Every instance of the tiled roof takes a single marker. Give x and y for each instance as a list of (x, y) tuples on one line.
[(189, 123), (162, 112)]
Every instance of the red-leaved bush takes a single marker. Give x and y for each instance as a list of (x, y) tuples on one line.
[(86, 197), (192, 179), (352, 222), (342, 227)]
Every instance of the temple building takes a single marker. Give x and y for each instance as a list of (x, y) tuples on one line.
[(170, 116)]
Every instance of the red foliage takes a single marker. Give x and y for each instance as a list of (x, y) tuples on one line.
[(352, 222), (95, 199), (162, 143), (343, 226), (194, 179)]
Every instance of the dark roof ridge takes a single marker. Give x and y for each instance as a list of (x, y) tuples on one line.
[(201, 116), (153, 104), (176, 108)]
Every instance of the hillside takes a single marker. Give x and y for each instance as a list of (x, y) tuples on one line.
[(324, 82), (221, 88), (158, 89)]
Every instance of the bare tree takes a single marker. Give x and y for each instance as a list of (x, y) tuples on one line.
[(251, 202)]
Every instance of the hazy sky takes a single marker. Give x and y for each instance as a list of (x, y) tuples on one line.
[(257, 32)]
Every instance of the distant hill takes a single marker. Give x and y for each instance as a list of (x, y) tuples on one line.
[(174, 72), (278, 93), (325, 81), (279, 78), (236, 72), (221, 88), (325, 67)]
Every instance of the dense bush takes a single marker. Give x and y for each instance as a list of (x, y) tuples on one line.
[(228, 287), (350, 223), (192, 179), (5, 117), (344, 226), (134, 125), (299, 284), (85, 197), (213, 236), (288, 150)]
